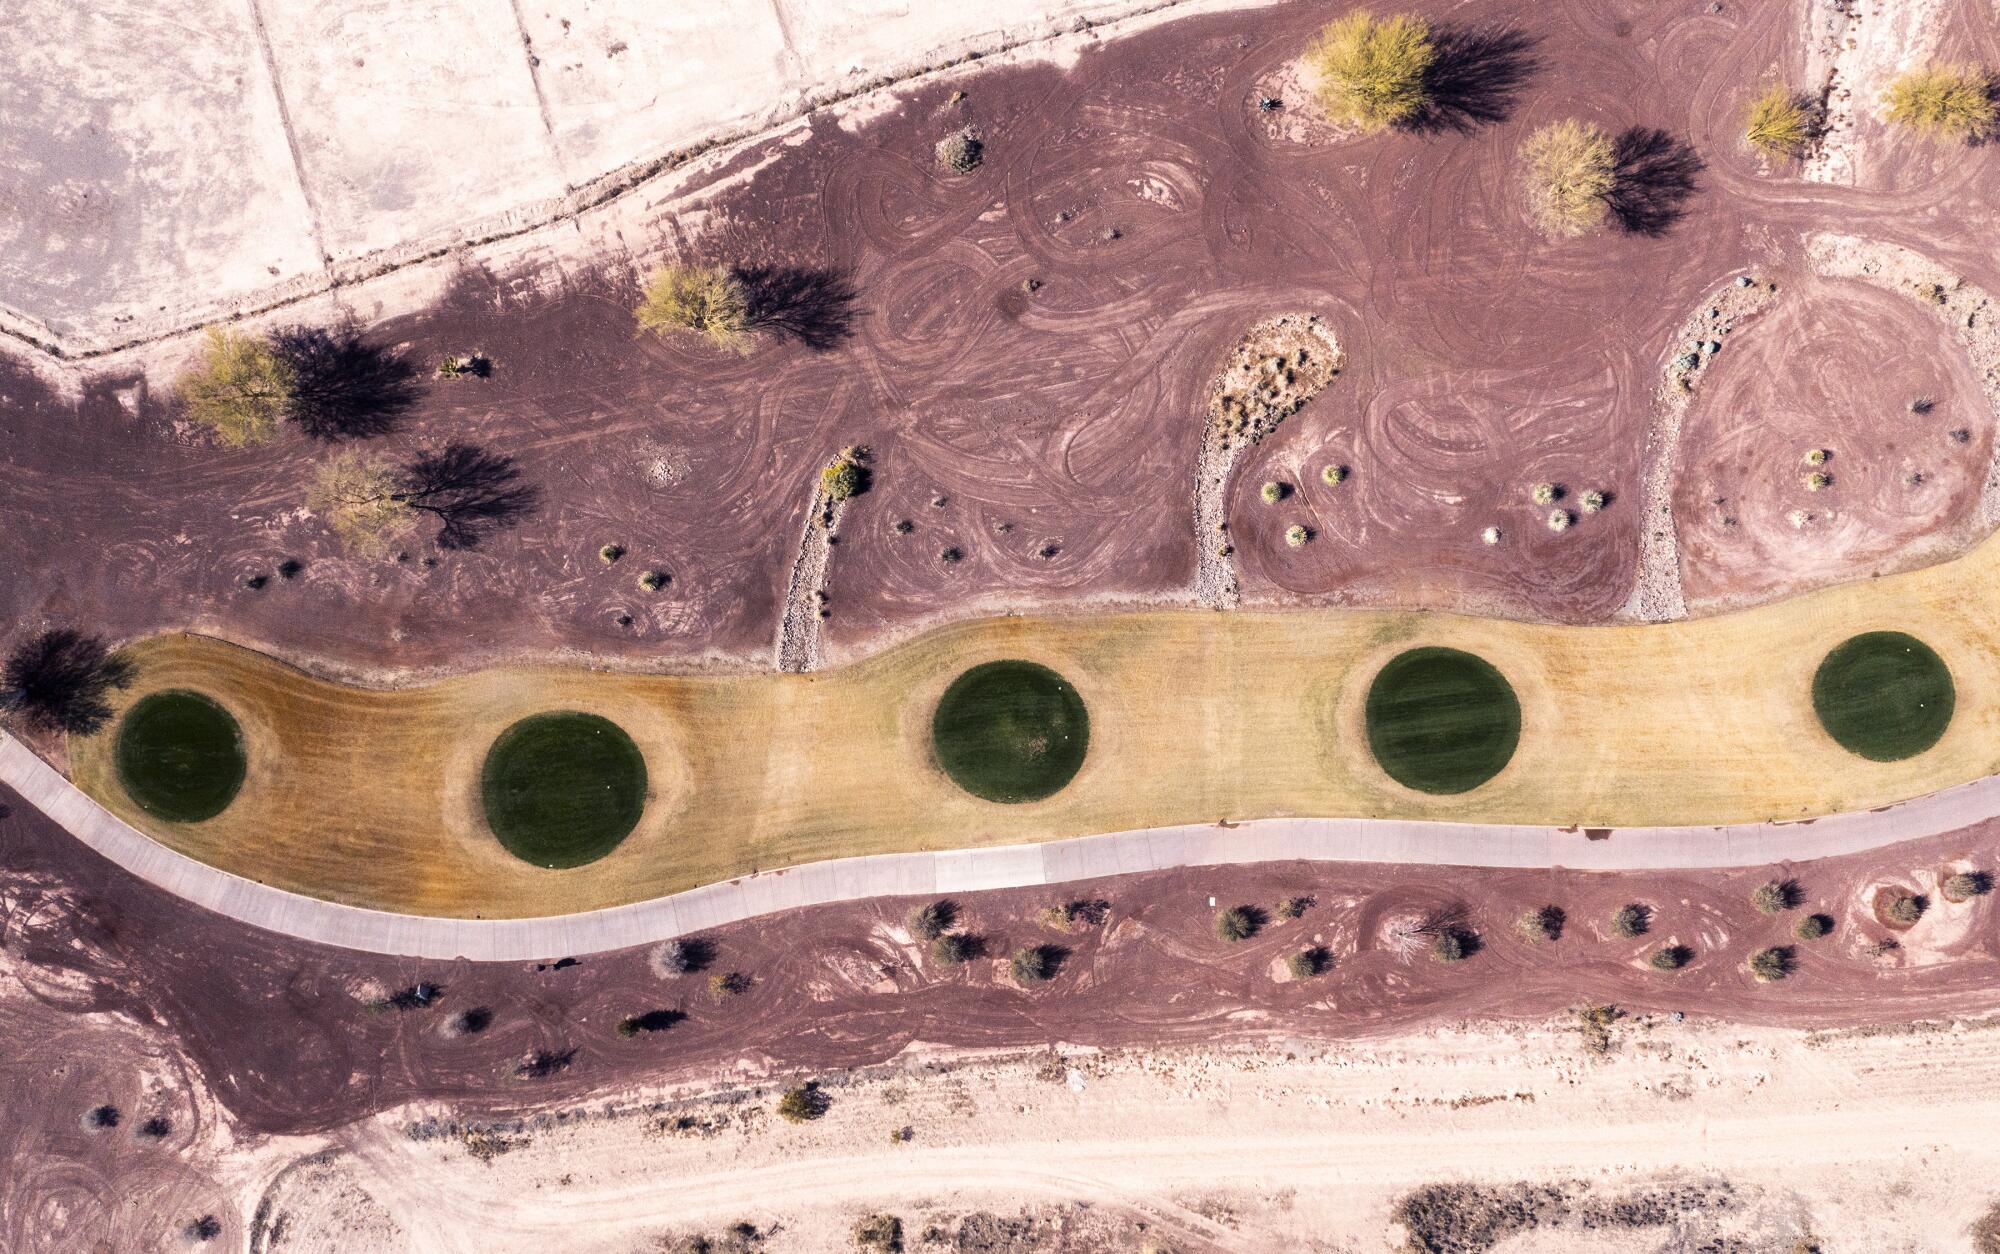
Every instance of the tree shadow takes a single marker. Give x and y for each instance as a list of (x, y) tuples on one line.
[(471, 491), (1473, 79), (343, 387), (1653, 174), (814, 307)]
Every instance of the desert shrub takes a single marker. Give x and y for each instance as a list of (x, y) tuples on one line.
[(726, 984), (356, 495), (652, 581), (1591, 502), (1546, 493), (543, 1063), (238, 388), (106, 1117), (1333, 476), (1072, 915), (1817, 457), (1818, 481), (1943, 101), (1781, 122), (1594, 1022), (610, 553), (1560, 519), (1813, 926), (1543, 924), (1775, 896), (846, 475), (954, 948), (1964, 885), (341, 386), (1296, 535), (1371, 70), (1451, 945), (1670, 957), (468, 366), (60, 679), (804, 1103), (1905, 908), (1293, 907), (470, 1022), (206, 1228), (1630, 921), (1309, 962), (650, 1021), (1770, 964), (684, 955), (961, 151), (1272, 492), (155, 1127), (1570, 171), (707, 300), (879, 1232), (928, 922), (1238, 923), (1035, 963)]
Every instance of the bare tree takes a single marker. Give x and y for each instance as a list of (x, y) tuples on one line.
[(343, 387), (469, 490)]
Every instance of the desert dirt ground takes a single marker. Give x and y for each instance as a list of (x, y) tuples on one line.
[(1704, 721), (1806, 1105), (1049, 436)]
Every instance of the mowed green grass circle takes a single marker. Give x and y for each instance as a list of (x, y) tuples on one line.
[(180, 756), (1010, 731), (563, 789), (1884, 696), (1442, 720)]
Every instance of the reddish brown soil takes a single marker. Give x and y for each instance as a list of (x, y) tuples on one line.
[(276, 1029), (1482, 359), (1834, 366)]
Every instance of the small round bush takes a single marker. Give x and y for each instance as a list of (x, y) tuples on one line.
[(1669, 958), (931, 921), (1035, 963), (1546, 493), (1543, 924), (1818, 481), (1817, 457), (1631, 921), (1490, 536), (1812, 927), (1333, 476), (1308, 963), (728, 984), (1965, 885), (1272, 492), (1775, 896), (804, 1103), (1293, 907), (961, 151), (1905, 908), (610, 553), (653, 581), (953, 949), (1296, 536), (1237, 923), (1559, 520), (1591, 501), (1451, 945), (1770, 964)]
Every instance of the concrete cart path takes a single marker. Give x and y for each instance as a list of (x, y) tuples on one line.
[(974, 870)]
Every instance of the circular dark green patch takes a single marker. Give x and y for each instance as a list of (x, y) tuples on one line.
[(1010, 731), (561, 790), (1441, 720), (1884, 695), (180, 756)]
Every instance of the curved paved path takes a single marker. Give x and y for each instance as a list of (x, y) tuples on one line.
[(974, 870)]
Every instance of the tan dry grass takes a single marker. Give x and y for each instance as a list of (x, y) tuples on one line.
[(369, 796)]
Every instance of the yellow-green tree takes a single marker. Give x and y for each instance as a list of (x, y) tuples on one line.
[(238, 388), (1943, 101), (707, 300), (1570, 168), (1371, 70)]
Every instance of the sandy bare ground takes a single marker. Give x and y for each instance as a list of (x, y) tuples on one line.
[(1744, 1138)]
